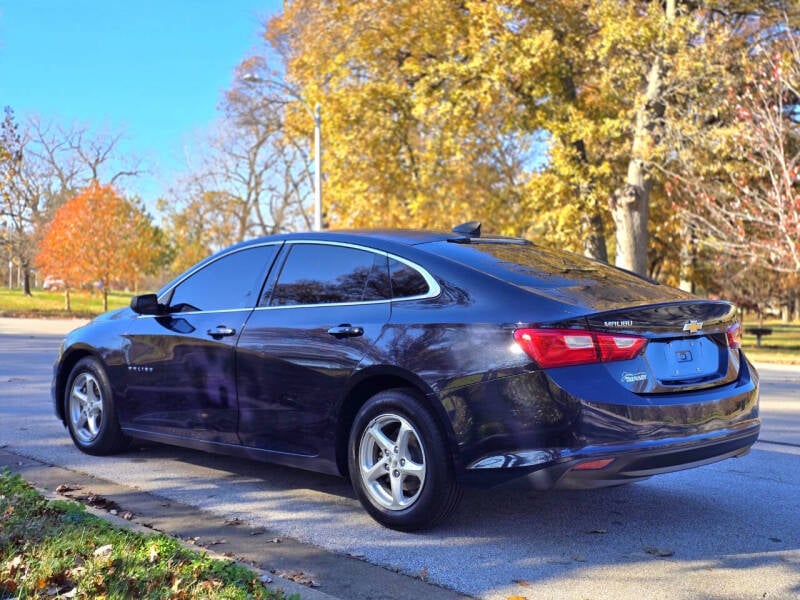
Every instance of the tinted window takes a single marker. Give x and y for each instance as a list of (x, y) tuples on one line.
[(406, 281), (562, 275), (232, 281), (325, 274), (536, 266)]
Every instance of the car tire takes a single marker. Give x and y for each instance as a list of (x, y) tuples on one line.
[(90, 412), (399, 462)]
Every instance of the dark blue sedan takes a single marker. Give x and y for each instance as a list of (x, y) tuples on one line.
[(415, 363)]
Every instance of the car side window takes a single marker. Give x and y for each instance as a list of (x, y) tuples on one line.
[(327, 274), (406, 281), (230, 282)]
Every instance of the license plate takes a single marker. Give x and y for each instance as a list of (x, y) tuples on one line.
[(695, 357)]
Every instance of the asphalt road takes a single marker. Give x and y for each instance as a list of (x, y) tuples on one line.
[(722, 532)]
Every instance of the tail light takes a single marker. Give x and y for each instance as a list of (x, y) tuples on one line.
[(734, 334), (564, 347)]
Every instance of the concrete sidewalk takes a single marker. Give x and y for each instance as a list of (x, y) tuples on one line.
[(39, 326)]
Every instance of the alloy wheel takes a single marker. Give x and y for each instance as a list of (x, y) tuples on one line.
[(391, 459), (86, 407)]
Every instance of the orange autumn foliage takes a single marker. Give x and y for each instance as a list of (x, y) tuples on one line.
[(99, 237)]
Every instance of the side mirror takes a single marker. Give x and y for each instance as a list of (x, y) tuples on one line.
[(146, 304)]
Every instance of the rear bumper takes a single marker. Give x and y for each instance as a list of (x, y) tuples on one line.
[(543, 469)]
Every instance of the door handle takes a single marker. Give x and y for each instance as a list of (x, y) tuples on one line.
[(221, 331), (346, 330)]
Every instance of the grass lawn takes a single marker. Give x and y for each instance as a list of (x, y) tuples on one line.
[(783, 346), (13, 303), (56, 549)]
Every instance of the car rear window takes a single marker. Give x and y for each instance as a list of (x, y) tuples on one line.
[(563, 275)]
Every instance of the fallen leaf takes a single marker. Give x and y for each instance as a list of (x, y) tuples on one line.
[(274, 541), (597, 531), (659, 552), (234, 521), (76, 572), (522, 582), (97, 501), (775, 539), (67, 487), (266, 579), (301, 578), (14, 565), (152, 554), (127, 515), (423, 573), (516, 598), (104, 550), (579, 558), (258, 531)]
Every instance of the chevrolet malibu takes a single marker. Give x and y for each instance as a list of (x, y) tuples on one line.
[(416, 363)]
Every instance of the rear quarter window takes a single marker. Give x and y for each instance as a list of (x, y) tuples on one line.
[(406, 281)]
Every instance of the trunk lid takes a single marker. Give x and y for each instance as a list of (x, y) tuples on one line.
[(687, 347)]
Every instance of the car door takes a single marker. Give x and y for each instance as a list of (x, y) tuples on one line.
[(322, 313), (180, 378)]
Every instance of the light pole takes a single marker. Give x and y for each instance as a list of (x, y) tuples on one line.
[(317, 166), (316, 116)]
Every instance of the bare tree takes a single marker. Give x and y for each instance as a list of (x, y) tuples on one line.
[(752, 209), (48, 163)]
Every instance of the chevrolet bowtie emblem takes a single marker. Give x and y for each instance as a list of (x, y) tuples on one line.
[(692, 326)]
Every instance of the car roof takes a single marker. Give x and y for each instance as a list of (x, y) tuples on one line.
[(406, 237)]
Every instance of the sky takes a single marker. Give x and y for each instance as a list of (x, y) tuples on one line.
[(154, 69)]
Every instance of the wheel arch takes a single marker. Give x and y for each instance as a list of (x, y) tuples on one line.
[(67, 363), (377, 379)]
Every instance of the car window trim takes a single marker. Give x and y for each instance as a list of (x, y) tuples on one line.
[(195, 312), (434, 289)]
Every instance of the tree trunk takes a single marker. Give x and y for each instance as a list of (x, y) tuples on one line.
[(67, 303), (796, 315), (105, 298), (630, 204), (630, 207), (26, 280), (687, 258), (594, 236)]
